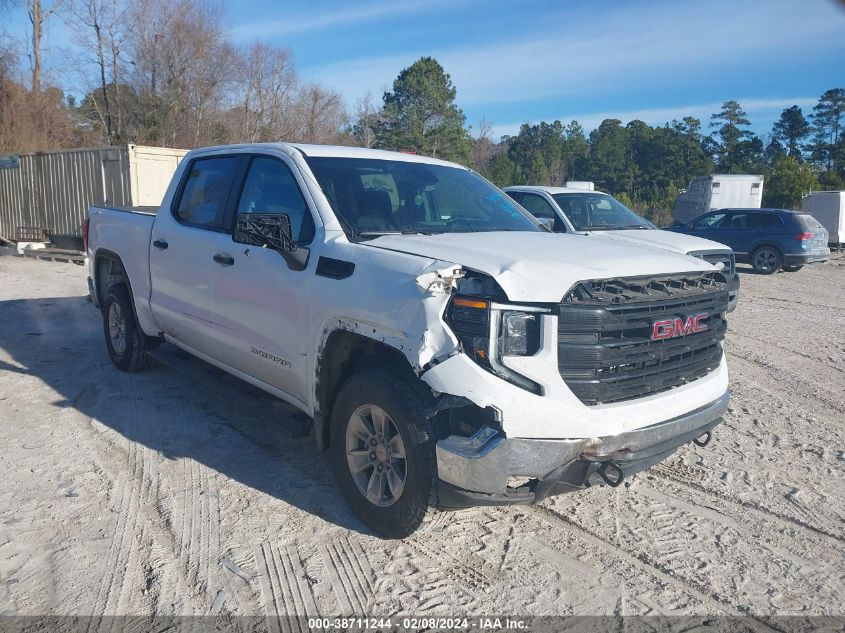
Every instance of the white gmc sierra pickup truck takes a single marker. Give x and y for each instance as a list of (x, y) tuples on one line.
[(451, 351)]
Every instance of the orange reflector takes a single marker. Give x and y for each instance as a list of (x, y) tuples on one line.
[(469, 303)]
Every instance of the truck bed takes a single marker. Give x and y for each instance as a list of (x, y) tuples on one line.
[(124, 232)]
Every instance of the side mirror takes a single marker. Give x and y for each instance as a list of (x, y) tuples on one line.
[(270, 230), (267, 230), (549, 223)]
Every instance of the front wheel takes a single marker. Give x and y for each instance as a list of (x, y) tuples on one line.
[(382, 452), (792, 269), (766, 260)]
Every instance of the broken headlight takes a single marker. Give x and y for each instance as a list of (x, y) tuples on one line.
[(519, 334), (490, 331)]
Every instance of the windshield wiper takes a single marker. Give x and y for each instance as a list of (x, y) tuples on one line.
[(602, 227), (381, 233), (636, 226)]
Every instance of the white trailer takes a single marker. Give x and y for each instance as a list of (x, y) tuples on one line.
[(828, 207), (53, 190), (718, 191)]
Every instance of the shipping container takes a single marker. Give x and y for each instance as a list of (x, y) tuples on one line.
[(828, 207), (52, 190), (718, 191)]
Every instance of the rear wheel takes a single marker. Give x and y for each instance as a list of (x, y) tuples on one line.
[(382, 452), (792, 269), (124, 339), (766, 260)]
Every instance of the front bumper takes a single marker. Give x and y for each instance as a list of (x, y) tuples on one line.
[(475, 470)]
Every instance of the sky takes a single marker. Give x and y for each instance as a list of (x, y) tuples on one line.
[(522, 62), (516, 62)]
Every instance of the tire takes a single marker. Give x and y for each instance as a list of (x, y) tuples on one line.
[(766, 260), (404, 403), (792, 269), (129, 351)]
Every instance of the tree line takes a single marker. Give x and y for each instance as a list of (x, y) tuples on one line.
[(167, 72), (157, 72), (642, 165)]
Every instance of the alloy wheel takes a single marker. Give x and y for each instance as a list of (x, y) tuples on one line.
[(375, 454), (117, 329), (765, 260)]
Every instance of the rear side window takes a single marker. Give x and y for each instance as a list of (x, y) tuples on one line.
[(205, 192), (766, 219), (271, 188), (538, 206)]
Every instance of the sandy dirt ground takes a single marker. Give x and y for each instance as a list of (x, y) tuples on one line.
[(182, 491)]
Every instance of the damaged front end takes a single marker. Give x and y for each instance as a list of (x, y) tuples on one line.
[(488, 468)]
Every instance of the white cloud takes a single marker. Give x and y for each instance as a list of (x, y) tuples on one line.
[(637, 46), (659, 116), (304, 23)]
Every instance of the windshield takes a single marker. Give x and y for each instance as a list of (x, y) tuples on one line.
[(598, 211), (378, 197)]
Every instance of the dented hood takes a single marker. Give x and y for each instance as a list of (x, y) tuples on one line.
[(677, 242), (541, 267)]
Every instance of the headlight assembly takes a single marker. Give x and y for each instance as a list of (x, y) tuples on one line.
[(490, 331)]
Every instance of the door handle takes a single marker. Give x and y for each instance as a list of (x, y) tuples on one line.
[(160, 244), (225, 260)]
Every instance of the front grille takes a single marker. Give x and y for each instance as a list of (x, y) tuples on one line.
[(728, 259), (605, 351)]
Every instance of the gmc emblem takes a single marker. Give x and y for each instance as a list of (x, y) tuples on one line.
[(670, 328)]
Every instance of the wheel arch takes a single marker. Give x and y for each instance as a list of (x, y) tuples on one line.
[(344, 353), (765, 242), (108, 269)]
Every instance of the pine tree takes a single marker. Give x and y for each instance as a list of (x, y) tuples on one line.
[(729, 133), (827, 124), (420, 115), (790, 129)]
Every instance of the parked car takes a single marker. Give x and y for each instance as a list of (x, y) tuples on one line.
[(450, 351), (587, 212), (768, 239)]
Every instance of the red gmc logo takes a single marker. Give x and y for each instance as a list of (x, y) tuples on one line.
[(670, 328)]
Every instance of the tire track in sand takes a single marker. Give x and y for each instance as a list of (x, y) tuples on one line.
[(285, 587)]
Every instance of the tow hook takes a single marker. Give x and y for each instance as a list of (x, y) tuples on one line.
[(703, 439), (614, 477)]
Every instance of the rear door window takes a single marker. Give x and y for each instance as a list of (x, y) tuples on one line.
[(205, 192), (537, 205), (737, 221)]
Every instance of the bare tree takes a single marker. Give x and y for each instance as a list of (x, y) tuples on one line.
[(38, 15), (483, 146), (323, 114), (184, 65), (266, 89), (98, 27), (366, 117)]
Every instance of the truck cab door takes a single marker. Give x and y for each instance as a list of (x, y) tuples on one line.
[(259, 304), (187, 240)]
